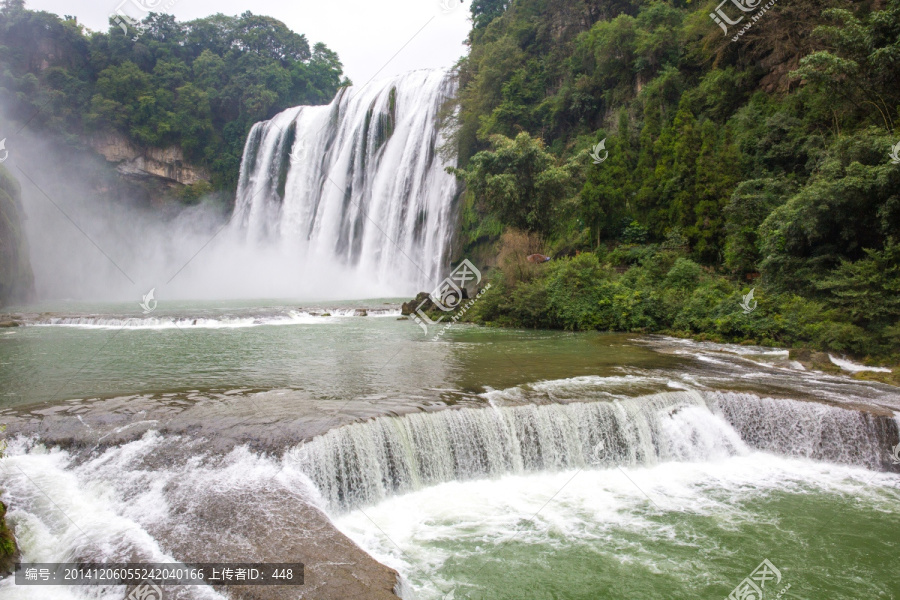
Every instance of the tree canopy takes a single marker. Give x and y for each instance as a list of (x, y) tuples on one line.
[(764, 157), (199, 84)]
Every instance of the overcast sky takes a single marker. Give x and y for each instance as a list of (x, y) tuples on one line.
[(365, 33)]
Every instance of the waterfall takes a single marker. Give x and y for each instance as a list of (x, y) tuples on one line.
[(808, 429), (363, 463), (359, 184)]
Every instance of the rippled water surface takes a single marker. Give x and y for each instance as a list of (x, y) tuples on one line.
[(704, 460)]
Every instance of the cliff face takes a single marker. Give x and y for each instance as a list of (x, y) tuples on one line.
[(16, 277), (163, 163)]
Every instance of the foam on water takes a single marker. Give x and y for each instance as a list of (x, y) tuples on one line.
[(63, 512), (364, 463), (849, 365), (298, 317), (467, 474), (580, 389), (105, 509), (592, 509)]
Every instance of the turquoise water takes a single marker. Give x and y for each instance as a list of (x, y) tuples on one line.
[(114, 350), (674, 528), (673, 531)]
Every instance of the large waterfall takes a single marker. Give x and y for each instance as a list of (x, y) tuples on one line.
[(364, 463), (358, 187)]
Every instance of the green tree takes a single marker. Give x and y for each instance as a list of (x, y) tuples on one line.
[(485, 11), (519, 181), (199, 84), (748, 207)]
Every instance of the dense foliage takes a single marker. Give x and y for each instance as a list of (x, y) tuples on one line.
[(768, 155), (663, 290), (200, 85)]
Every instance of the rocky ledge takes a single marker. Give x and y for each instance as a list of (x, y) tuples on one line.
[(163, 163)]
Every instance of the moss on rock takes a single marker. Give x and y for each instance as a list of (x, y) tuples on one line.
[(9, 551)]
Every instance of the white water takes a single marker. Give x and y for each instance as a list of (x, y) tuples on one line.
[(849, 365), (365, 188), (99, 511), (467, 472), (364, 463), (292, 317), (364, 214), (657, 519)]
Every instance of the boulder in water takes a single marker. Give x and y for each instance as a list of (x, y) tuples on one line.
[(422, 299)]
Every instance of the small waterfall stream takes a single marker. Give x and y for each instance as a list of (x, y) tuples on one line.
[(364, 463)]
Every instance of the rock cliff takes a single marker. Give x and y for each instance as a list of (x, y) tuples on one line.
[(131, 161)]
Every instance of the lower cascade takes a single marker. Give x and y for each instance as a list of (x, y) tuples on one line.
[(364, 463)]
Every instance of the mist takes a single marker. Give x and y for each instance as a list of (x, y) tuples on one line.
[(88, 244), (93, 238)]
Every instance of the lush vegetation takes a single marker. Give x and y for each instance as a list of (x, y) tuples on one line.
[(9, 551), (199, 85), (762, 162)]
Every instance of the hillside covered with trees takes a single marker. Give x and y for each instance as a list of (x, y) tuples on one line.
[(760, 160), (199, 85)]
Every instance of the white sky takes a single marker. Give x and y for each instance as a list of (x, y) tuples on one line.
[(364, 33)]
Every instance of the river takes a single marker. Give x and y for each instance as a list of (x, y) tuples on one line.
[(489, 463)]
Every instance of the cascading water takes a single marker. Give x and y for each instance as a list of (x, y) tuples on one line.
[(359, 184), (365, 463), (808, 429), (419, 473)]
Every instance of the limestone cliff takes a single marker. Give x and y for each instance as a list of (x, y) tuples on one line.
[(16, 277), (164, 163)]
